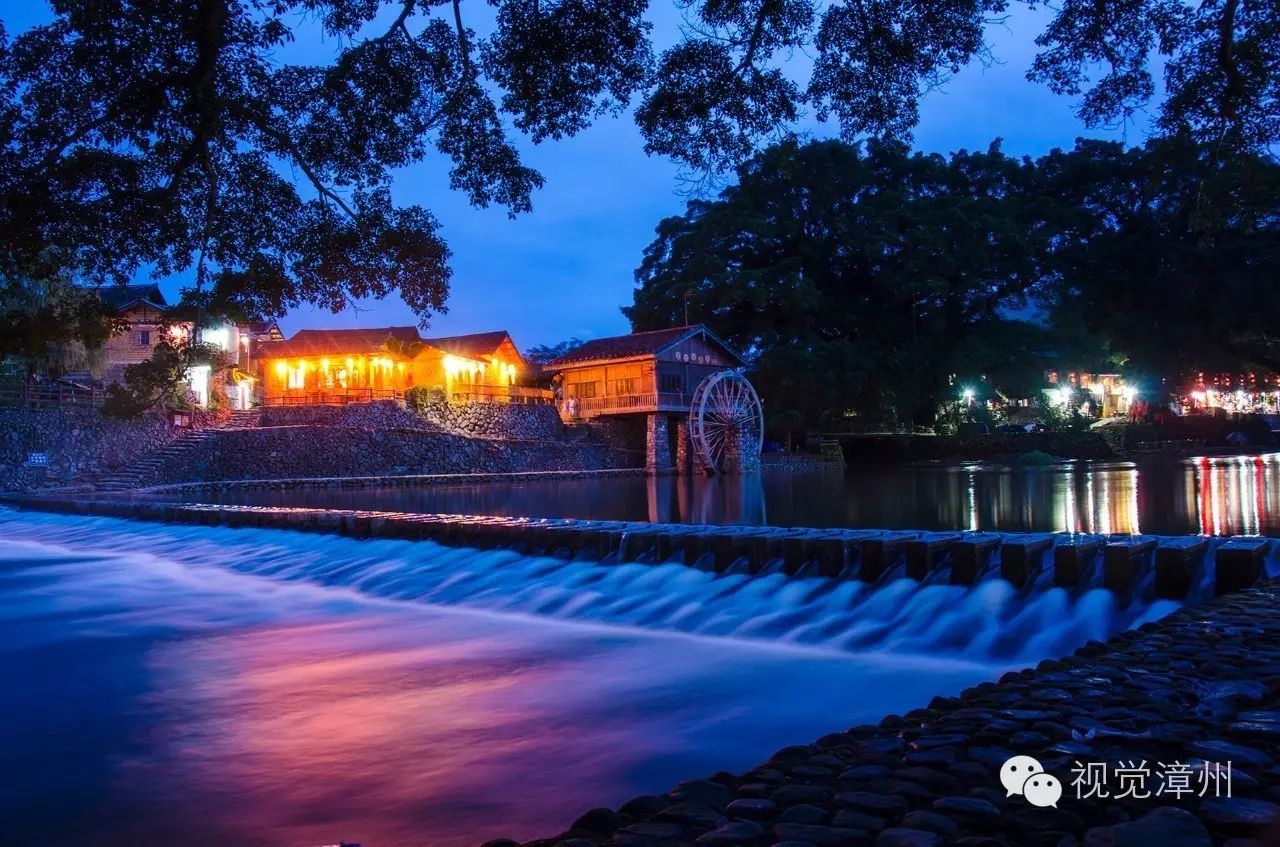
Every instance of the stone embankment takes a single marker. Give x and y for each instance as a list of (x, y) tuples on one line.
[(283, 452), (1200, 688), (78, 443)]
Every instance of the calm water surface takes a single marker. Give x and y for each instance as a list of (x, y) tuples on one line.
[(1217, 496), (211, 686)]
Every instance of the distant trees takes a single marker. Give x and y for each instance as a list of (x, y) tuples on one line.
[(541, 354), (139, 135), (51, 326), (874, 282)]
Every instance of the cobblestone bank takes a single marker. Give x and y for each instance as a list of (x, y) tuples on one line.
[(494, 420), (1200, 686), (332, 451)]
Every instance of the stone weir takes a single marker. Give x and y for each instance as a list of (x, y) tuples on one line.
[(1174, 567)]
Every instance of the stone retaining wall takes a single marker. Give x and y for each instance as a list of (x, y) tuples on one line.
[(519, 421), (333, 451), (379, 413), (79, 442)]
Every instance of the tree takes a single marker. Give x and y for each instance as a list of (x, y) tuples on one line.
[(1171, 255), (855, 279), (46, 326), (542, 354), (138, 134), (161, 379)]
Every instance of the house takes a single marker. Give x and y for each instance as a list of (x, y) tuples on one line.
[(346, 365), (655, 371), (143, 307), (669, 378)]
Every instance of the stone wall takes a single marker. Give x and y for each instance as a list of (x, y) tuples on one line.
[(79, 443), (378, 414), (284, 452), (520, 421)]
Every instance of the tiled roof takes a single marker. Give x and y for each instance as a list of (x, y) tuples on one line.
[(476, 346), (120, 297), (636, 344), (307, 343)]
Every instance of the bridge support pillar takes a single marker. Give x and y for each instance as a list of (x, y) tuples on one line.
[(657, 444)]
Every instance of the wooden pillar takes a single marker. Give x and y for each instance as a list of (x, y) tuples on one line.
[(657, 444)]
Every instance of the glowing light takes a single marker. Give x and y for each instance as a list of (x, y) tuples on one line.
[(1130, 392), (282, 368), (1064, 396), (324, 365), (968, 394)]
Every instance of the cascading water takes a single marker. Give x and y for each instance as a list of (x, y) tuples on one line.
[(988, 622)]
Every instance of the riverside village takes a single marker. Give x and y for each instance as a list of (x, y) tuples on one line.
[(560, 423)]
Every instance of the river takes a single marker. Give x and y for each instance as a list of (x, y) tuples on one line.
[(1221, 495), (211, 686)]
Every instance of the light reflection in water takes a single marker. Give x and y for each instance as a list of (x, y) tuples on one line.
[(1218, 495)]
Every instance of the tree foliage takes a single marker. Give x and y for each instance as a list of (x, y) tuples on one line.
[(41, 322), (854, 277), (877, 282), (541, 354), (137, 135), (160, 380)]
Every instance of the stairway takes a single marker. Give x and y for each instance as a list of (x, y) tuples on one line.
[(243, 418), (143, 471)]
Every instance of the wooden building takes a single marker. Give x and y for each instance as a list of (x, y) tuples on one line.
[(657, 375), (349, 365)]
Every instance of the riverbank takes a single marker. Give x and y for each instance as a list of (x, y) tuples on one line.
[(1202, 685)]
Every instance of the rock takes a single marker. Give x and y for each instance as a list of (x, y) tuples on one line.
[(822, 836), (967, 807), (603, 821), (853, 819), (931, 822), (751, 808), (794, 795), (805, 813), (1239, 815), (733, 834), (884, 805), (701, 791), (649, 834), (644, 806), (900, 837), (1167, 826), (1226, 751), (692, 814)]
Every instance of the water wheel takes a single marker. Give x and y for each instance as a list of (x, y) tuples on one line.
[(726, 409)]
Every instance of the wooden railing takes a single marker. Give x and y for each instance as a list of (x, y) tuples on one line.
[(333, 398), (499, 394), (46, 396), (585, 407)]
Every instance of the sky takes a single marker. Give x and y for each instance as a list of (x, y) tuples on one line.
[(564, 270)]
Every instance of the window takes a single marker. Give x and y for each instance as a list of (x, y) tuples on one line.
[(624, 386), (144, 338), (582, 389), (671, 383)]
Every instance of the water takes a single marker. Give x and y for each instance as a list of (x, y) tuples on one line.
[(198, 685), (1228, 495)]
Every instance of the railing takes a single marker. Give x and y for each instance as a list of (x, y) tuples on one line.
[(499, 394), (585, 407), (333, 398), (45, 396)]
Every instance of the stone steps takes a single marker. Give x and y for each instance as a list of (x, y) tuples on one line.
[(142, 471)]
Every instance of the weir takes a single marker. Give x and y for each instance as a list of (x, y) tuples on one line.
[(1165, 567)]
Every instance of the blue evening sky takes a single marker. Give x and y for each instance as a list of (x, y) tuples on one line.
[(566, 268)]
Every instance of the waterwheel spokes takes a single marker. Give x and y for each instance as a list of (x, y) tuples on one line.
[(726, 409)]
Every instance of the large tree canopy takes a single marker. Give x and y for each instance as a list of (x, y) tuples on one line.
[(183, 137), (856, 277), (876, 281)]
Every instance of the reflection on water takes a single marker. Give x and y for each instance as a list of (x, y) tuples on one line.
[(1226, 495), (166, 698)]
